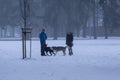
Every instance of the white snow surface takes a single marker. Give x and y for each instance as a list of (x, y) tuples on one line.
[(92, 60)]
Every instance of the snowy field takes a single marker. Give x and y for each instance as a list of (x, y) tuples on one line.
[(92, 60)]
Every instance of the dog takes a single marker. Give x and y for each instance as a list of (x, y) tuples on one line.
[(59, 48), (48, 49)]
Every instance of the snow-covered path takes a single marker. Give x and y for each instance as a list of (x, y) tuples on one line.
[(92, 60)]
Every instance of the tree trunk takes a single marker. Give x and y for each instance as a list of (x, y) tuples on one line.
[(84, 31), (55, 33), (78, 31), (105, 20), (55, 25), (0, 32), (69, 24), (94, 21), (13, 32)]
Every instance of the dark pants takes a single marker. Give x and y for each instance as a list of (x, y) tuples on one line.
[(70, 51), (42, 50)]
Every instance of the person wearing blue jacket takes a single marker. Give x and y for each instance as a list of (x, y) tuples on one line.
[(43, 38)]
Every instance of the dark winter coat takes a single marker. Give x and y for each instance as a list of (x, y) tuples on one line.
[(69, 39), (43, 37)]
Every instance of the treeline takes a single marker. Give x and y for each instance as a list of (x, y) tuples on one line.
[(85, 18)]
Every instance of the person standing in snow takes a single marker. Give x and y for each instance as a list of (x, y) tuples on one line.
[(43, 38), (69, 42)]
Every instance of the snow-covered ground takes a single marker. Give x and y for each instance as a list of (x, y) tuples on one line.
[(92, 60)]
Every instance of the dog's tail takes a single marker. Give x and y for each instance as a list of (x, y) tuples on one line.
[(66, 46)]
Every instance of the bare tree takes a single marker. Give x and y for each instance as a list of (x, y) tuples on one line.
[(9, 17), (25, 11)]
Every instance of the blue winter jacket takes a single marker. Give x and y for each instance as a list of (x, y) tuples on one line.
[(43, 38)]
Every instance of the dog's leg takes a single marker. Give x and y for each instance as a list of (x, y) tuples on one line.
[(50, 53), (54, 53), (64, 53), (47, 53)]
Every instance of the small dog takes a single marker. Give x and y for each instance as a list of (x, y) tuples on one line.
[(48, 49), (59, 48)]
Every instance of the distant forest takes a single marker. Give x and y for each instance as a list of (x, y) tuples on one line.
[(85, 18)]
